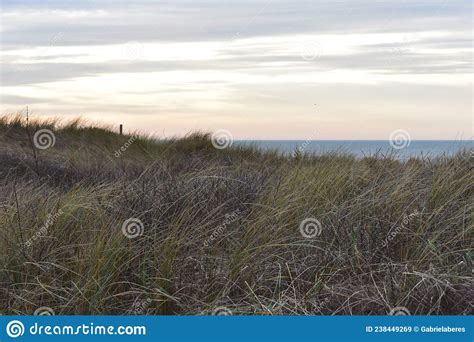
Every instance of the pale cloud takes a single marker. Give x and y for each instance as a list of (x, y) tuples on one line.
[(254, 67)]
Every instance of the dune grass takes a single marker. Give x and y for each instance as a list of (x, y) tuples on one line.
[(221, 228)]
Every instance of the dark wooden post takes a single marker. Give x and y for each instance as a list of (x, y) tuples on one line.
[(121, 129)]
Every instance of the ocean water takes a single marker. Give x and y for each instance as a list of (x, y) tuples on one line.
[(361, 148)]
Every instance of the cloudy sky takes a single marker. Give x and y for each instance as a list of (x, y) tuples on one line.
[(261, 69)]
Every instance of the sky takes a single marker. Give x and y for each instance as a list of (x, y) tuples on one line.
[(261, 69)]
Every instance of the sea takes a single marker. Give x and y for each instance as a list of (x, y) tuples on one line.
[(362, 148)]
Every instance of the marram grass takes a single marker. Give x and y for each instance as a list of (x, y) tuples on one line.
[(213, 228)]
